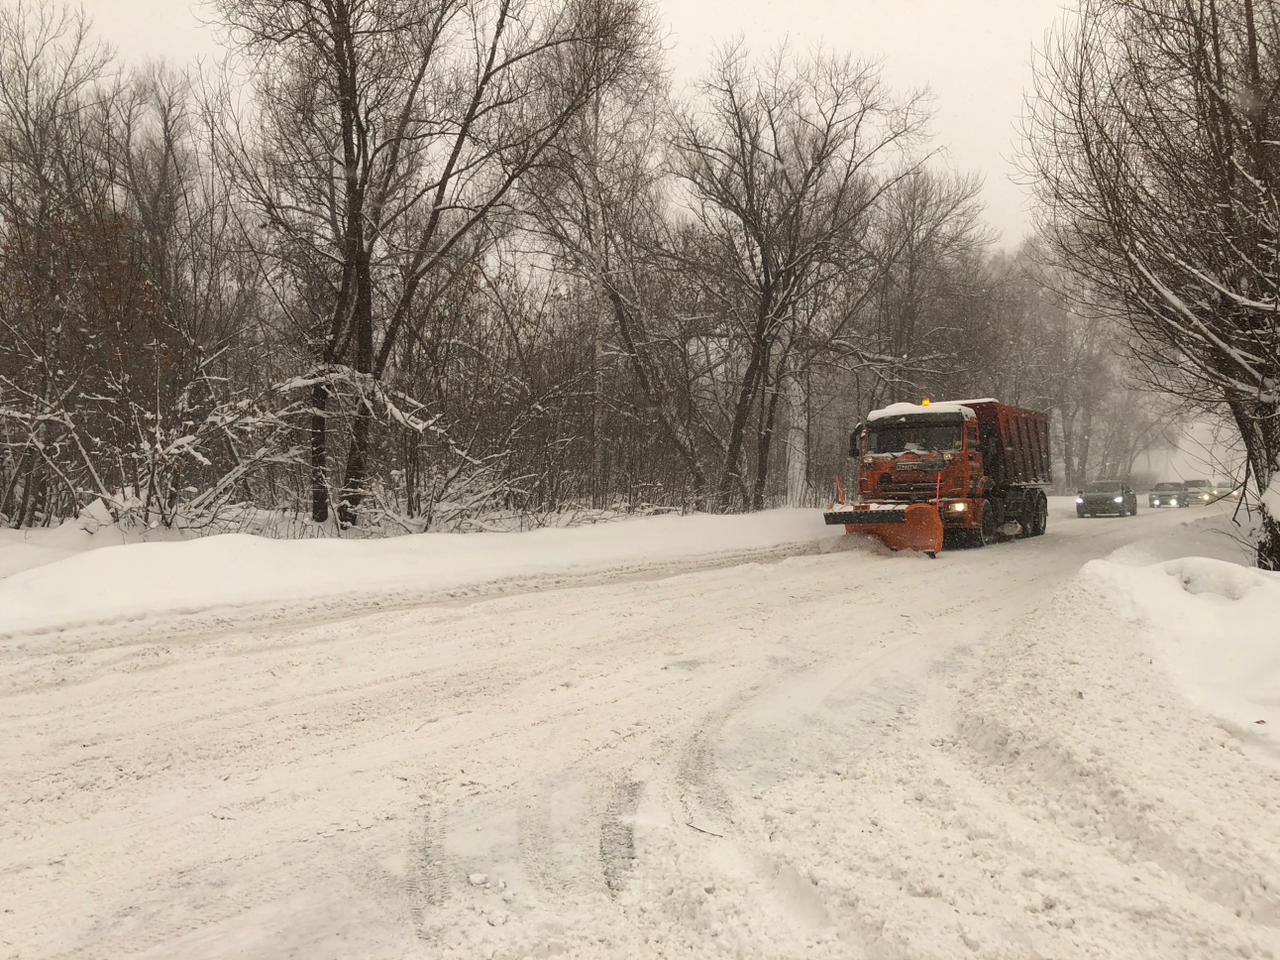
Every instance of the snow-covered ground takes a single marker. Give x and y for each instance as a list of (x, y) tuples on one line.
[(700, 737), (67, 577)]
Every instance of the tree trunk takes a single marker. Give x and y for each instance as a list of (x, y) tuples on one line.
[(597, 415), (1068, 451), (1269, 542), (28, 491), (319, 453), (1082, 462), (649, 387), (1259, 426), (764, 445), (732, 472), (771, 393), (797, 443), (19, 466), (356, 484)]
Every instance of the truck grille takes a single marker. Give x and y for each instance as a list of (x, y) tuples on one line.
[(906, 488), (918, 466)]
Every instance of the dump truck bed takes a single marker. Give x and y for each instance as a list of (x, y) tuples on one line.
[(1024, 439)]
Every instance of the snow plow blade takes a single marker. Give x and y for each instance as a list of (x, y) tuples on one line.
[(916, 526)]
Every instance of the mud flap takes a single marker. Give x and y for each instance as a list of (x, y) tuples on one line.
[(916, 526)]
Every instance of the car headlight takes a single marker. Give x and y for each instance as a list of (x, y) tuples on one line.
[(1174, 501), (957, 507), (1117, 499), (1079, 499)]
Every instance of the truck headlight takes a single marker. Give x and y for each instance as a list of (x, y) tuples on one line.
[(1117, 499), (957, 507)]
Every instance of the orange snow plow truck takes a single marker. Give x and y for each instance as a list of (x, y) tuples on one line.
[(961, 471)]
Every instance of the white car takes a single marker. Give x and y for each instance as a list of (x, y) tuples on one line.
[(1199, 492)]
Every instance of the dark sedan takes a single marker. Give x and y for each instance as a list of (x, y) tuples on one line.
[(1169, 494), (1107, 497)]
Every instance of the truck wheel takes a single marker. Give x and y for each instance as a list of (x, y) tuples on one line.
[(1041, 523), (986, 532), (1028, 519)]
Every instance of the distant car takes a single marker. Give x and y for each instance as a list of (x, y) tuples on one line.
[(1206, 491), (1199, 492), (1222, 489), (1107, 497), (1169, 494)]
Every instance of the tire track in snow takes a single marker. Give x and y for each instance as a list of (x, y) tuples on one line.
[(1036, 770), (617, 833), (427, 884)]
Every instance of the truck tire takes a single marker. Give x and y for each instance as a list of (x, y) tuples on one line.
[(986, 532), (1035, 514), (1041, 523), (1028, 519)]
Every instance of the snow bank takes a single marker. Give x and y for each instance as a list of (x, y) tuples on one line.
[(1216, 629), (142, 579), (25, 549)]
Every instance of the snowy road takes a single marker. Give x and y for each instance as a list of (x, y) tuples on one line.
[(835, 754)]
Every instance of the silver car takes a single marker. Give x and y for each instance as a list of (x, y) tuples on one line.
[(1199, 492)]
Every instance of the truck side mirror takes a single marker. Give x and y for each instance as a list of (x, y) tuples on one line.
[(855, 441)]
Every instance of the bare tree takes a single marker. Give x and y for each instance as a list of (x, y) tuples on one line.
[(916, 321), (598, 203), (781, 165), (1153, 141), (388, 132), (50, 71), (122, 305)]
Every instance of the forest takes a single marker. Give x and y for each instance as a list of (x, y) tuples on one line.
[(393, 266)]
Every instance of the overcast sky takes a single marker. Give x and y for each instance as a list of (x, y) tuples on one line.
[(974, 55)]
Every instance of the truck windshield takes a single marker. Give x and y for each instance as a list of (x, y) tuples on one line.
[(914, 438)]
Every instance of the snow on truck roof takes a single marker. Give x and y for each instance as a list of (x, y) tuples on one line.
[(941, 406)]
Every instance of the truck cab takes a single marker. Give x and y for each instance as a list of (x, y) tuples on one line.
[(913, 457)]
